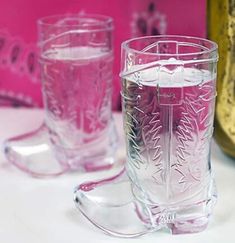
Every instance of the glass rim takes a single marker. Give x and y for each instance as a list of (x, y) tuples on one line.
[(100, 21), (214, 46)]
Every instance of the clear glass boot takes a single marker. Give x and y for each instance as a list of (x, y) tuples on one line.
[(76, 59), (168, 97)]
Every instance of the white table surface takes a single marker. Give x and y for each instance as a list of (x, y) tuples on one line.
[(42, 210)]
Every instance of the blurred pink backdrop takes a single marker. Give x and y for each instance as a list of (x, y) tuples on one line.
[(19, 71)]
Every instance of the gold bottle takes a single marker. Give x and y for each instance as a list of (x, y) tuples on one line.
[(221, 29)]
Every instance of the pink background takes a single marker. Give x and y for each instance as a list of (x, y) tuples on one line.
[(19, 72)]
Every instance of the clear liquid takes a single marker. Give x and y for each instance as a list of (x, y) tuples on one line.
[(77, 88), (168, 127)]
